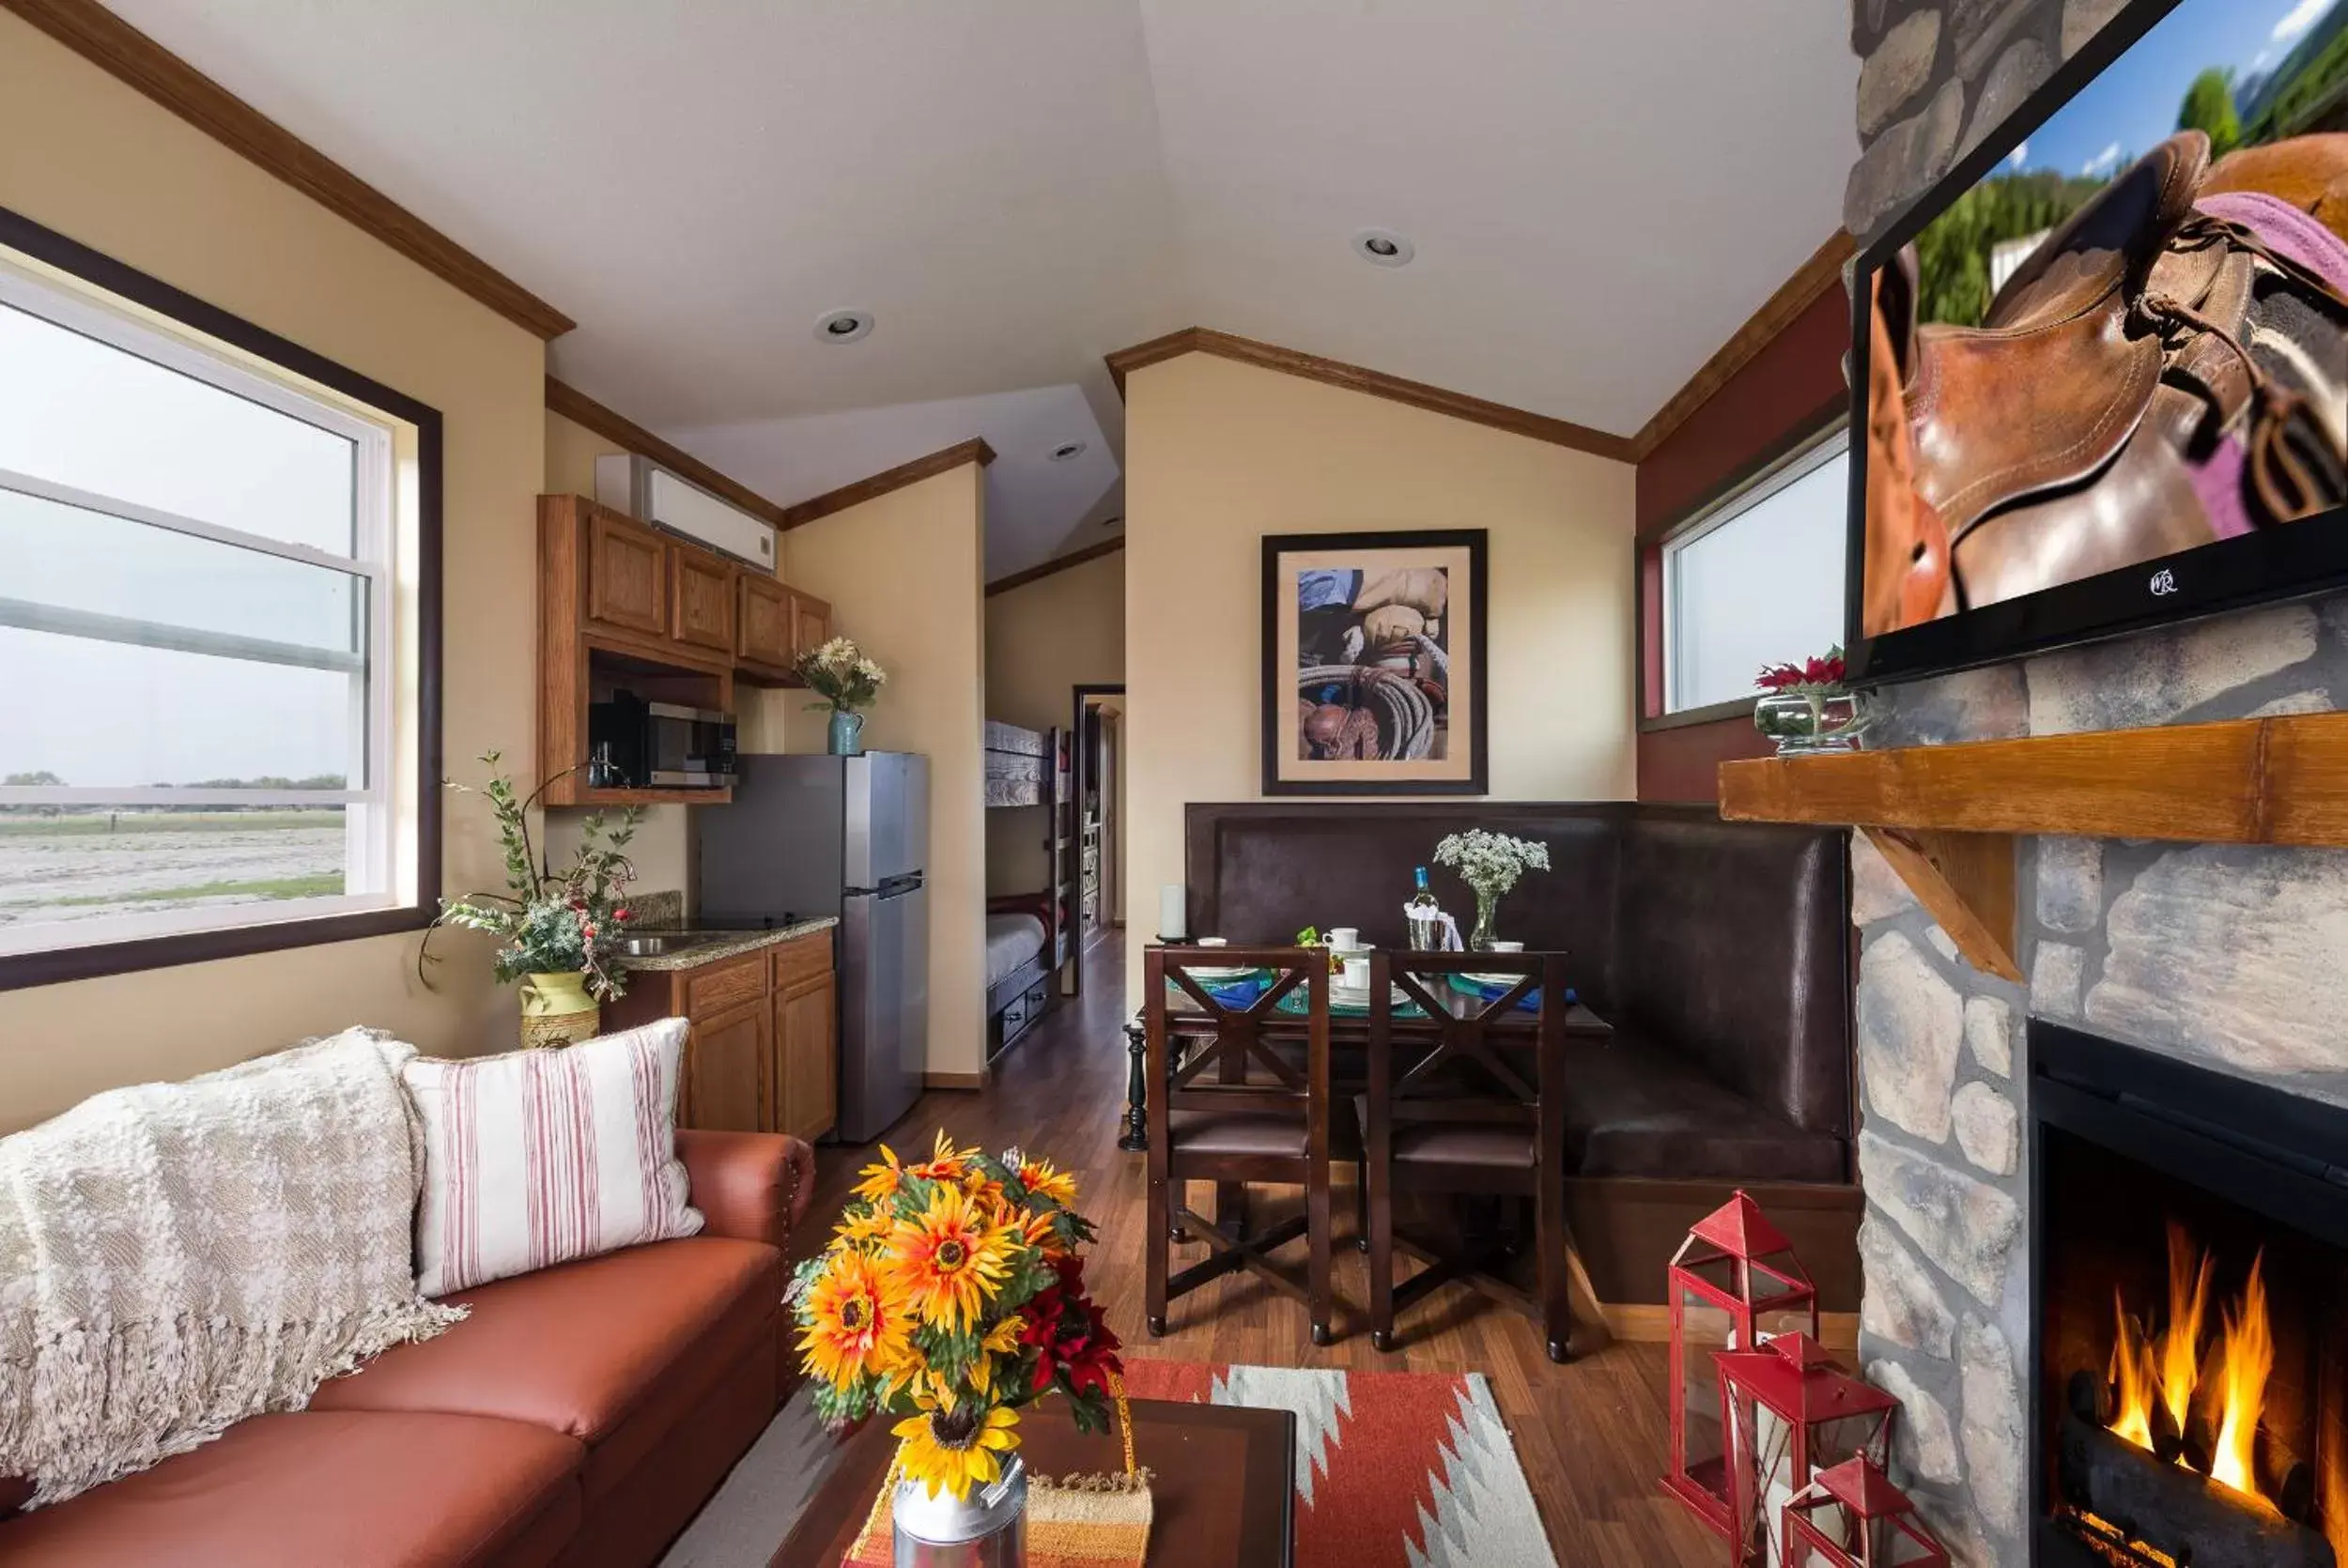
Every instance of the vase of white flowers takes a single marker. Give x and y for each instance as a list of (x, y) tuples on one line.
[(847, 681), (1489, 864)]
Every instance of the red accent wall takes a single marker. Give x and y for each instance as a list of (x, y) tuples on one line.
[(1777, 393), (1797, 374)]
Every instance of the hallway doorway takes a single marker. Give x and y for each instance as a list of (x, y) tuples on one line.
[(1097, 722)]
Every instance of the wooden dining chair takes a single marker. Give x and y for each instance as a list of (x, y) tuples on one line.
[(1467, 1101), (1230, 1103)]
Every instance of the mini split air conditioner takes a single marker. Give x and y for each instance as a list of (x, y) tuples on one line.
[(651, 493)]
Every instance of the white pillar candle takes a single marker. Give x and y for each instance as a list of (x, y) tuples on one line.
[(1173, 921)]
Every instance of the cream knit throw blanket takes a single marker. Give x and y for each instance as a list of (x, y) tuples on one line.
[(175, 1257)]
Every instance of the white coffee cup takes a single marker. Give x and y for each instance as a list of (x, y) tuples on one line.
[(1345, 939), (1356, 976)]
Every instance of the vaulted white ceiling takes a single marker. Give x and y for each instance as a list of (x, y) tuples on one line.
[(1600, 192)]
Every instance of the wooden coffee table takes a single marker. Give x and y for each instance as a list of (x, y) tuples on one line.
[(1223, 1478)]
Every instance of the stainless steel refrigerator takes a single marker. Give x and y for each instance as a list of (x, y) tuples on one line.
[(850, 836)]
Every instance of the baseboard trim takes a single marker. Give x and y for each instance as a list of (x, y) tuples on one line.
[(958, 1080)]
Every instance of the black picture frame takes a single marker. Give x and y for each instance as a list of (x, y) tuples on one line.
[(1279, 686), (2299, 561), (19, 971)]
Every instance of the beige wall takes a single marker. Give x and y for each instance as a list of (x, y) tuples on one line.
[(1219, 455), (87, 156), (1042, 639), (662, 848), (903, 576)]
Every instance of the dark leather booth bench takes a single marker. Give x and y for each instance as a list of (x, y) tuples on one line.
[(1719, 951)]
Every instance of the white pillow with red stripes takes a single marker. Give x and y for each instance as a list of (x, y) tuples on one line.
[(539, 1157)]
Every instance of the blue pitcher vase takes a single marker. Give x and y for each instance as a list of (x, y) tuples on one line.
[(847, 732)]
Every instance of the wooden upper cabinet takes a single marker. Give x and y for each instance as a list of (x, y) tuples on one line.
[(762, 622), (704, 600), (627, 568), (810, 623)]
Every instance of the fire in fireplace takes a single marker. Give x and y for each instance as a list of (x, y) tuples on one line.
[(2191, 1286)]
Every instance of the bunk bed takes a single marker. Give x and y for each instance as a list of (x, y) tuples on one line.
[(1028, 934)]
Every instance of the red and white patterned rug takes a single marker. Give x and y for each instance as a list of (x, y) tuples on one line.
[(1408, 1468), (1394, 1469)]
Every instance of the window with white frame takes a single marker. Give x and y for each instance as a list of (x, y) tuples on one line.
[(1756, 579), (199, 683)]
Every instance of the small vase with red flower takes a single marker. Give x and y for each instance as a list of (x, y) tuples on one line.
[(1807, 708)]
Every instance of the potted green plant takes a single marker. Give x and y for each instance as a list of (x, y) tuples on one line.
[(1489, 864), (847, 681), (556, 933)]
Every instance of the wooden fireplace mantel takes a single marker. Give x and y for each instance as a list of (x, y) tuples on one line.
[(1946, 816)]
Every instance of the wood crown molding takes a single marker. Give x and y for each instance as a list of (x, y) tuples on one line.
[(972, 450), (129, 56), (1377, 383), (1796, 294), (1058, 563), (576, 405)]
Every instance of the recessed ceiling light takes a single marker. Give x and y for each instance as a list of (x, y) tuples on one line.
[(843, 326), (1383, 248), (1068, 452)]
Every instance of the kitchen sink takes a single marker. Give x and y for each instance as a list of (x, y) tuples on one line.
[(653, 946)]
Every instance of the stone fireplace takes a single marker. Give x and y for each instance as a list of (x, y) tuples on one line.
[(2231, 958)]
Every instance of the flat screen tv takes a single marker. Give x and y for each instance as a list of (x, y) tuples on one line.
[(2100, 372)]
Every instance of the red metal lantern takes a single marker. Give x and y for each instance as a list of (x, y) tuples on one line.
[(1852, 1516), (1792, 1411), (1735, 1285)]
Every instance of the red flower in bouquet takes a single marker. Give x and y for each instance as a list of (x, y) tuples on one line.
[(1823, 673), (1069, 1333)]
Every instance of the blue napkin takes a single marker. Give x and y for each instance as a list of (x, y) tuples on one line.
[(1491, 991)]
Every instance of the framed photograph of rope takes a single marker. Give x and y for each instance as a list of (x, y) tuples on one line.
[(1373, 662)]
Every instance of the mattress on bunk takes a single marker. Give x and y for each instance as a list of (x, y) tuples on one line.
[(1011, 940)]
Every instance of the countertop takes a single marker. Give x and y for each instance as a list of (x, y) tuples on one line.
[(732, 945)]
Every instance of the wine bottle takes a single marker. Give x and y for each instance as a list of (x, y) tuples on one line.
[(1425, 916)]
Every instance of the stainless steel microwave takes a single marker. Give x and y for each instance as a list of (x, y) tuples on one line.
[(636, 744)]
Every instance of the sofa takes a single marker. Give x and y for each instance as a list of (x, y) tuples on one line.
[(580, 1416), (1719, 951)]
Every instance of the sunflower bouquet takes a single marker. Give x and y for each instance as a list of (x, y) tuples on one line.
[(950, 1295)]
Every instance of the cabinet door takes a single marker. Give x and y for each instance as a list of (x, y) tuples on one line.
[(704, 600), (626, 575), (727, 1071), (762, 622), (810, 623), (805, 1022)]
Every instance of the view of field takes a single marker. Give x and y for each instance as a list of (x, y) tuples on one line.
[(78, 866)]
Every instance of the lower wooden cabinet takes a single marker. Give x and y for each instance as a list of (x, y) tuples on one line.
[(729, 1072), (806, 1027), (763, 1053)]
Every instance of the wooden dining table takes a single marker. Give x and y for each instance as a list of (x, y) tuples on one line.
[(1347, 1032), (1349, 1044)]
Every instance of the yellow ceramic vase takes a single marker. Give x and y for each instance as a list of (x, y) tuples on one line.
[(557, 1010)]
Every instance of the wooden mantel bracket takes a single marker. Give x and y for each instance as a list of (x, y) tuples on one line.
[(1965, 881)]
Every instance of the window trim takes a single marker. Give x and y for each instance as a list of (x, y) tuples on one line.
[(1800, 457), (147, 293)]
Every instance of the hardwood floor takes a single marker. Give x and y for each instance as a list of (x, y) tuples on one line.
[(1591, 1436)]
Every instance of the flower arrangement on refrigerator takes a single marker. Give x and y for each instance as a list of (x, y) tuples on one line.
[(951, 1296), (843, 674)]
